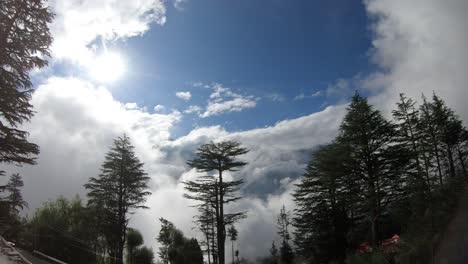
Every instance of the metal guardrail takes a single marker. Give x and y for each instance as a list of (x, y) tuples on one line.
[(48, 257)]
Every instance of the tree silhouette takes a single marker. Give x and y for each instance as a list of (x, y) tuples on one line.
[(232, 233), (214, 189), (119, 189), (134, 240), (24, 45)]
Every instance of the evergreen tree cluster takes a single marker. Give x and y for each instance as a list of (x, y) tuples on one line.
[(377, 177)]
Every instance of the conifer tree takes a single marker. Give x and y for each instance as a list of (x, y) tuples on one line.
[(273, 253), (15, 198), (24, 45), (121, 188), (377, 162), (430, 138), (284, 222), (214, 189), (326, 201)]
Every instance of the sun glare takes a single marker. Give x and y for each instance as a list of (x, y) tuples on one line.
[(107, 67)]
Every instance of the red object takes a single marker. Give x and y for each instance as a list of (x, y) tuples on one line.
[(387, 246)]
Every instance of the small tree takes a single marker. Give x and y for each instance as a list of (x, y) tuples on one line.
[(144, 255), (121, 188), (274, 253), (284, 221), (15, 198), (232, 233), (175, 248), (134, 240)]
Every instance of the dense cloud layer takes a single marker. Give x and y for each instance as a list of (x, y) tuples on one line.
[(418, 45)]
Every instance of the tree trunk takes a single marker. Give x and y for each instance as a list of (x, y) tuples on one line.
[(436, 150), (462, 162), (208, 247), (451, 165), (221, 229), (232, 250)]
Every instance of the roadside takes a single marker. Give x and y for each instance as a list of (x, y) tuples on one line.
[(32, 258), (453, 246)]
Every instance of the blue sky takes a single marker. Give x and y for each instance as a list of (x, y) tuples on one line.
[(254, 47), (272, 50)]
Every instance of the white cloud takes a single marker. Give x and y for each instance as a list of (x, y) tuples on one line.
[(184, 95), (302, 96), (275, 97), (233, 105), (193, 109), (131, 106), (223, 99), (420, 47), (78, 23), (159, 108)]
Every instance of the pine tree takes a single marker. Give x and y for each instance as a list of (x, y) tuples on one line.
[(378, 163), (121, 188), (325, 200), (15, 198), (284, 222), (24, 45), (274, 253), (431, 138), (214, 189)]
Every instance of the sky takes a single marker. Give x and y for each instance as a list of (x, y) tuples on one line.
[(274, 75)]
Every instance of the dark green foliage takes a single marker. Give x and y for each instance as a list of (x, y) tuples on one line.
[(286, 253), (64, 229), (326, 203), (377, 163), (143, 255), (121, 188), (273, 253), (24, 44), (378, 179), (11, 203), (214, 190), (175, 248), (134, 240)]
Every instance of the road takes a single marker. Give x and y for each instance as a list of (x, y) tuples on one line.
[(453, 247), (32, 258)]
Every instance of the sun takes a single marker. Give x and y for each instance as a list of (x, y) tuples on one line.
[(107, 67)]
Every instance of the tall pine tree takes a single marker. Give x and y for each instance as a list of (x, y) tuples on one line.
[(377, 162), (24, 45), (121, 188)]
